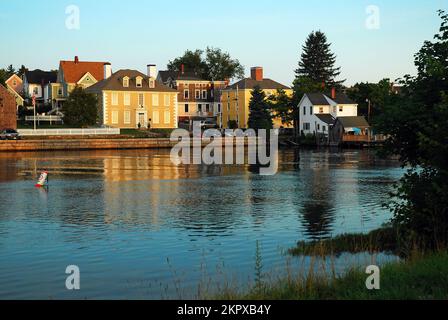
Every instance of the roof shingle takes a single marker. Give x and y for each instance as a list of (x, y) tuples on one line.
[(74, 71)]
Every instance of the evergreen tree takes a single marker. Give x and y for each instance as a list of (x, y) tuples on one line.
[(318, 62), (259, 111)]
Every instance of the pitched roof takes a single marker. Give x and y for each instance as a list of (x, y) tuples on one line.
[(74, 71), (325, 117), (115, 82), (249, 83), (166, 74), (38, 76), (353, 122), (322, 99), (317, 99)]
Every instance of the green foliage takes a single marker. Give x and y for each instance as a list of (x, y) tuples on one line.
[(281, 106), (211, 64), (232, 124), (80, 109), (317, 61), (416, 123), (259, 112), (6, 73)]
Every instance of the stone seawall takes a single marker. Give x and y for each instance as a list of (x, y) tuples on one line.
[(84, 144)]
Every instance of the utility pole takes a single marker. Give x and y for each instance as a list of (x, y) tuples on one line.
[(34, 110)]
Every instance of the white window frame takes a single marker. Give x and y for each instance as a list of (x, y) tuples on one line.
[(127, 117), (197, 94), (114, 117), (155, 117), (139, 82), (126, 82), (204, 94), (142, 100), (127, 99), (155, 99), (167, 117), (114, 99)]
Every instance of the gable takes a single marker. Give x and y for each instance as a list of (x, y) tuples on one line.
[(87, 79)]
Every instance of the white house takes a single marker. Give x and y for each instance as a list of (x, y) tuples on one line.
[(318, 111)]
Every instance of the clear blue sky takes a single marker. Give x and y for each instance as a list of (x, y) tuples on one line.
[(269, 33)]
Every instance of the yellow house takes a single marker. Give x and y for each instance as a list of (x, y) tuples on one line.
[(130, 99), (235, 99)]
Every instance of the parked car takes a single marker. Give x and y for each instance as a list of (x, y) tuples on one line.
[(9, 134)]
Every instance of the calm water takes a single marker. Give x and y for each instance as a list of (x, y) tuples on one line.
[(140, 227)]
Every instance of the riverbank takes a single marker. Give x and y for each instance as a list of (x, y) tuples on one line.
[(83, 144), (418, 278)]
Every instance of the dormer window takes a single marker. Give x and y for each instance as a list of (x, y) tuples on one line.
[(126, 82), (152, 83), (138, 81)]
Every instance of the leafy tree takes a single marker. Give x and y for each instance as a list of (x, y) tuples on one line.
[(221, 66), (317, 62), (281, 106), (213, 64), (6, 73), (259, 112), (416, 122), (80, 109), (192, 61)]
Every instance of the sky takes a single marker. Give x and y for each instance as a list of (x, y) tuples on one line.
[(372, 39)]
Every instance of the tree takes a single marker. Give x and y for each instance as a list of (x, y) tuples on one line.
[(281, 106), (192, 61), (221, 66), (415, 122), (215, 65), (21, 71), (80, 109), (317, 62), (259, 112), (6, 73)]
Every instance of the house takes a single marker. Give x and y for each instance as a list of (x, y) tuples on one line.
[(318, 111), (8, 109), (15, 86), (75, 73), (131, 99), (350, 130), (36, 83), (235, 99), (198, 99)]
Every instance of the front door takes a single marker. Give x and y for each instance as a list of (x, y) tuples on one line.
[(141, 118)]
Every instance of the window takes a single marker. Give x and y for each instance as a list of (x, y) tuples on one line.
[(306, 126), (166, 117), (127, 99), (152, 84), (207, 108), (204, 94), (138, 81), (167, 100), (186, 107), (341, 109), (155, 117), (127, 117), (141, 99), (197, 94), (304, 111), (155, 99), (324, 128), (219, 108), (186, 94), (60, 91), (125, 82), (311, 110), (14, 83), (114, 98), (321, 110), (200, 107), (36, 90), (114, 117), (318, 127)]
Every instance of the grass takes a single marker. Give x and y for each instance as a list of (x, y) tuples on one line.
[(417, 278), (380, 240), (152, 133)]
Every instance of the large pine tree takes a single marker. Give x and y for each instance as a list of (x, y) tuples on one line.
[(317, 62), (259, 111)]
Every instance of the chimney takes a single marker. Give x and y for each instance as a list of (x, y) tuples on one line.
[(182, 69), (76, 60), (152, 71), (256, 73), (107, 70), (333, 93)]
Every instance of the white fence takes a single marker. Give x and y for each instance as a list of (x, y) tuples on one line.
[(44, 118), (68, 132)]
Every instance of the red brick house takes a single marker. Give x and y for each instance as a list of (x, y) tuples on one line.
[(8, 109)]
